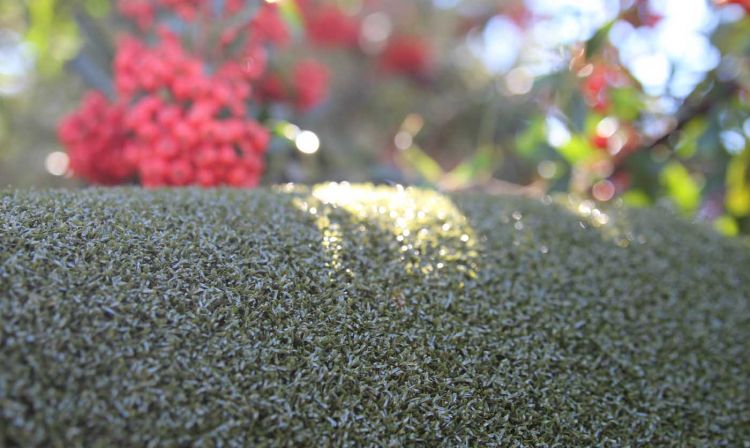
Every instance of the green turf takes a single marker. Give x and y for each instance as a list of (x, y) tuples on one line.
[(366, 316)]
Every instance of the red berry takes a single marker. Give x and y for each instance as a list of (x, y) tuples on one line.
[(407, 55)]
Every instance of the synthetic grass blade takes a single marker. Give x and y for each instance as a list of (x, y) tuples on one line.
[(358, 315)]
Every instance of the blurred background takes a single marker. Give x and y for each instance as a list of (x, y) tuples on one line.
[(637, 101)]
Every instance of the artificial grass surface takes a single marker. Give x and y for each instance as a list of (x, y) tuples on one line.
[(365, 316)]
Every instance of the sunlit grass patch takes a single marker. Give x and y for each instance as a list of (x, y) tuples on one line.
[(360, 315)]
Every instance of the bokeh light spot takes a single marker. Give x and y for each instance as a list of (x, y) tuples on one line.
[(57, 163), (307, 142)]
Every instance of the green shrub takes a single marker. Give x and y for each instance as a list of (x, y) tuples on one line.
[(366, 316)]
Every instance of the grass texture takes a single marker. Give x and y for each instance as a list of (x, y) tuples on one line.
[(345, 315)]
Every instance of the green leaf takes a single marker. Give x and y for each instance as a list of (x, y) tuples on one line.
[(479, 166), (681, 187), (577, 150), (291, 14), (598, 40), (738, 187), (531, 140), (98, 8), (423, 164), (688, 144), (626, 103), (636, 198), (592, 121), (54, 36), (727, 225)]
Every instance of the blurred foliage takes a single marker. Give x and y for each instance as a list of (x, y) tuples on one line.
[(588, 126)]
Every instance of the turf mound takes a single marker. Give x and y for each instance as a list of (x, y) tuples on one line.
[(355, 315)]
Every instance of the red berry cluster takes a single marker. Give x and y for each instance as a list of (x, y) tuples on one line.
[(328, 26), (179, 120), (268, 26), (745, 4), (642, 14), (175, 145), (143, 12), (596, 87), (310, 83), (305, 90), (272, 88), (96, 141), (188, 127), (407, 55)]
